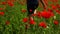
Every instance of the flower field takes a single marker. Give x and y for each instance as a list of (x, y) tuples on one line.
[(14, 19)]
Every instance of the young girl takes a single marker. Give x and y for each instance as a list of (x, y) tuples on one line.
[(32, 5)]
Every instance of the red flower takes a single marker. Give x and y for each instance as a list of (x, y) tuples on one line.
[(50, 10), (1, 13), (10, 3), (25, 19), (52, 14), (53, 7), (23, 10), (56, 22), (58, 11), (4, 3), (7, 22), (43, 24), (39, 14), (1, 8), (46, 14), (32, 21), (57, 5)]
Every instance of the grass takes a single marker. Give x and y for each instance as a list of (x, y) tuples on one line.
[(14, 15)]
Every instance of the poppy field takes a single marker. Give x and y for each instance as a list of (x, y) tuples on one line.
[(14, 19)]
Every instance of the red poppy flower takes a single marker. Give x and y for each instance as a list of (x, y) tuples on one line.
[(23, 10), (1, 8), (58, 11), (56, 22), (4, 3), (43, 24), (32, 21), (7, 22), (39, 14), (46, 14), (1, 13), (52, 14), (57, 5), (50, 10), (25, 19), (53, 7), (10, 3)]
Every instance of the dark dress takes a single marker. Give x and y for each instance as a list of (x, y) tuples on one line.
[(32, 5)]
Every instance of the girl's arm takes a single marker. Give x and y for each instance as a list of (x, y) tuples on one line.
[(43, 3)]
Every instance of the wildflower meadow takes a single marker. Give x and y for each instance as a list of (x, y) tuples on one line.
[(14, 19)]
